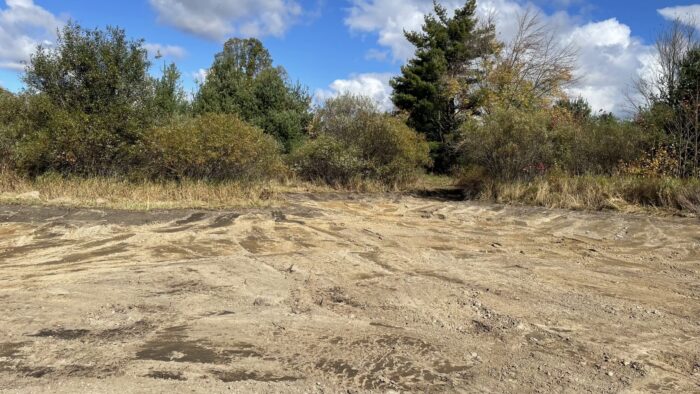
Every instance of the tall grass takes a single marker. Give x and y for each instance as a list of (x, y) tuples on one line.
[(623, 193), (139, 195), (122, 193)]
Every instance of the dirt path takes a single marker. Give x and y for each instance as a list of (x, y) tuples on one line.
[(349, 293)]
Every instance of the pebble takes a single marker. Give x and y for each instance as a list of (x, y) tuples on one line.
[(610, 373)]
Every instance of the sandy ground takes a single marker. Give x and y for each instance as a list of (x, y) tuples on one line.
[(348, 294)]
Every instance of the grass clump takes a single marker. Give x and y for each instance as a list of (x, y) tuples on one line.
[(591, 192)]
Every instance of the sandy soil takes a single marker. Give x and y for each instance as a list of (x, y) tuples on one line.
[(348, 294)]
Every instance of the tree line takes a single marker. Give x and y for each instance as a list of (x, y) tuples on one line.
[(466, 104)]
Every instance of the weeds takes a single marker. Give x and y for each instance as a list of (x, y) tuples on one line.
[(621, 193)]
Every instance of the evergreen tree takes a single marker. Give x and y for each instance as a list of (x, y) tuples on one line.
[(169, 96), (437, 86), (578, 108)]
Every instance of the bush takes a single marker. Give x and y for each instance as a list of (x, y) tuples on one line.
[(212, 146), (603, 144), (89, 100), (60, 140), (509, 143), (354, 140), (512, 144), (10, 112), (328, 159)]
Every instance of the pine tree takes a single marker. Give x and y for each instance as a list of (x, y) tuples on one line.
[(437, 86), (169, 96)]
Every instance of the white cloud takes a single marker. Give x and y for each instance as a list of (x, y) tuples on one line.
[(373, 85), (376, 54), (171, 51), (219, 19), (689, 14), (200, 75), (388, 19), (23, 26), (610, 59), (610, 56)]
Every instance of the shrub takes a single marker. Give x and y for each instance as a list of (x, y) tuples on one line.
[(212, 146), (328, 159), (56, 139), (603, 144), (10, 112), (512, 144), (509, 143), (90, 99), (355, 140)]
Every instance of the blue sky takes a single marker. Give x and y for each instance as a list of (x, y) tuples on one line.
[(343, 45)]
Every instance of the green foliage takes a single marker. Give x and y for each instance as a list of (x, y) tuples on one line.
[(603, 143), (578, 108), (688, 89), (243, 81), (327, 159), (436, 87), (54, 139), (355, 140), (509, 143), (90, 99), (169, 96), (10, 119), (515, 144), (211, 146)]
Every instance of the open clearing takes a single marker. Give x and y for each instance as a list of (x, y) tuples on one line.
[(348, 293)]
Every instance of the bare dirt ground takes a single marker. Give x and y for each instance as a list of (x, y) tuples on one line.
[(348, 294)]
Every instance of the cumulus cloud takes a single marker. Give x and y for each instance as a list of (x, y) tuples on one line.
[(23, 26), (689, 14), (217, 19), (171, 51), (610, 56), (200, 76), (373, 85), (388, 19), (610, 59)]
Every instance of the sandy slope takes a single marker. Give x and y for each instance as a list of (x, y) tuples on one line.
[(339, 293)]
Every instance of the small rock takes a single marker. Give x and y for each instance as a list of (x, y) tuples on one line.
[(610, 373), (474, 355)]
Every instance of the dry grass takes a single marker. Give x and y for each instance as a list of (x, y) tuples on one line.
[(598, 193), (628, 194), (119, 193), (137, 195)]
